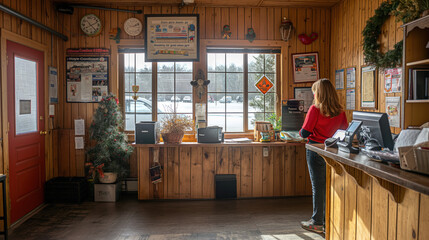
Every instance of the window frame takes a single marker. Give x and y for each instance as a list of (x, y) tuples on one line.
[(246, 52)]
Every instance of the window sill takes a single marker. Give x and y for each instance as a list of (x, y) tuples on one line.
[(191, 137)]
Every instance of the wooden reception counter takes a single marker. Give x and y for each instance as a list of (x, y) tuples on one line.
[(371, 200), (262, 169)]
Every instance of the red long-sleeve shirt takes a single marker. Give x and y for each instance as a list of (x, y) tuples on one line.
[(321, 127)]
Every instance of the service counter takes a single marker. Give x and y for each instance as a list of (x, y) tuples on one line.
[(273, 169), (371, 200)]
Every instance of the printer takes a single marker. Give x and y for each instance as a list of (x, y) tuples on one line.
[(211, 134)]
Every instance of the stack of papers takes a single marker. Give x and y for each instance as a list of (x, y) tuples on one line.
[(238, 140)]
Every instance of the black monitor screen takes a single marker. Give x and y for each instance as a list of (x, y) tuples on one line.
[(374, 126)]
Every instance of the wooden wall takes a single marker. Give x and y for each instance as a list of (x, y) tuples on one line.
[(348, 19), (43, 12), (265, 22), (189, 171)]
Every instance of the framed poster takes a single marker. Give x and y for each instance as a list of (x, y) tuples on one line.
[(305, 67), (172, 37), (369, 87), (393, 109), (304, 93), (351, 77), (339, 79), (87, 78)]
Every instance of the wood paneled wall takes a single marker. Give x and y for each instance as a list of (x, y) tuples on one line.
[(348, 19), (189, 171), (265, 22), (43, 12)]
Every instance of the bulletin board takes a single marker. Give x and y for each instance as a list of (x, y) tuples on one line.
[(87, 78)]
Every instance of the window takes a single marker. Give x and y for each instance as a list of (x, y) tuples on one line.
[(170, 79), (234, 102)]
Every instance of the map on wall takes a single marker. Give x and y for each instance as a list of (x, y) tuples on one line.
[(87, 78)]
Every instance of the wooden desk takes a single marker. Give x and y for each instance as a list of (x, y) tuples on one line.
[(371, 200), (190, 168)]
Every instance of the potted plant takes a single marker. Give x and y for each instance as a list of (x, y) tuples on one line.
[(174, 126), (108, 158), (276, 121)]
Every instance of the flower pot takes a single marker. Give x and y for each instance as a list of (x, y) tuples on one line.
[(174, 138), (109, 177)]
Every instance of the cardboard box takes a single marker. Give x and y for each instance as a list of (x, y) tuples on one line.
[(107, 192)]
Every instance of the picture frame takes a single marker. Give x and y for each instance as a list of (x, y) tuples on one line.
[(306, 94), (87, 78), (305, 67), (172, 37), (369, 87)]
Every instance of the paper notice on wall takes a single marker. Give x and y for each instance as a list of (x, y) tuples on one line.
[(351, 77), (339, 79), (79, 127), (392, 80), (79, 143), (351, 99), (393, 110), (53, 85)]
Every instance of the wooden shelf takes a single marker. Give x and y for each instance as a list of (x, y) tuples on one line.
[(418, 101), (421, 62)]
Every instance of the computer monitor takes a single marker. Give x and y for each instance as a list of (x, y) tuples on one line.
[(376, 126)]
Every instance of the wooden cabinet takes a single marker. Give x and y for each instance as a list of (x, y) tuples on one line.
[(415, 55), (189, 169)]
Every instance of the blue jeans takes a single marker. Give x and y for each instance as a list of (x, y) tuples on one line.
[(317, 170)]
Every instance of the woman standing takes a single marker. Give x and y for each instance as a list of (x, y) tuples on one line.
[(323, 119)]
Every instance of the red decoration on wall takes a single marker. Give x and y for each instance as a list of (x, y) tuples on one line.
[(308, 39)]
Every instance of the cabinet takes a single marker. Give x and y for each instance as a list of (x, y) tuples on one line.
[(415, 55)]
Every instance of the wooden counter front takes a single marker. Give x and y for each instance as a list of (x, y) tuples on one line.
[(371, 200), (190, 169)]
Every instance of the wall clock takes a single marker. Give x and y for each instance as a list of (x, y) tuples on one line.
[(133, 26), (91, 25)]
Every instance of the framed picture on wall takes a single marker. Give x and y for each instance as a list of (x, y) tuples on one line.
[(305, 67), (306, 94), (369, 87), (172, 37)]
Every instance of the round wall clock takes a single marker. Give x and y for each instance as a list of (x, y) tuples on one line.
[(90, 25), (133, 26)]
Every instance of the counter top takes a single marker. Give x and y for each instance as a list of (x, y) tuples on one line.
[(414, 181), (247, 144)]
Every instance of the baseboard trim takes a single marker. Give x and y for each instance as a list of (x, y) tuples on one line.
[(26, 217)]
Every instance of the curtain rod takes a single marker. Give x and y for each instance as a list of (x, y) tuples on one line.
[(25, 18)]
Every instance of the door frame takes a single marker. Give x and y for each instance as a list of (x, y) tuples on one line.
[(4, 148)]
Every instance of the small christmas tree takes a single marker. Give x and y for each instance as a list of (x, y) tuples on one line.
[(111, 151)]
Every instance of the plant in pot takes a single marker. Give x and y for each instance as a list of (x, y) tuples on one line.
[(174, 126), (108, 158), (276, 121)]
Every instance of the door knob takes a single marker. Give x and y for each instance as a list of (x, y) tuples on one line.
[(43, 132)]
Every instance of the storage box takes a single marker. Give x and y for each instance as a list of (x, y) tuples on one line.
[(66, 189), (107, 192)]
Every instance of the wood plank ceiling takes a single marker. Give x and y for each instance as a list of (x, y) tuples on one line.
[(214, 3)]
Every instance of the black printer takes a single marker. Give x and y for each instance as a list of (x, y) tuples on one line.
[(210, 135)]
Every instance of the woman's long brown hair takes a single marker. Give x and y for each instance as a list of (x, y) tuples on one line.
[(326, 98)]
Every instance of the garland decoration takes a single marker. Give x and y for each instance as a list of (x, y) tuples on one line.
[(371, 33)]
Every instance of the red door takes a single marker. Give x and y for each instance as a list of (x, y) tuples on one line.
[(25, 72)]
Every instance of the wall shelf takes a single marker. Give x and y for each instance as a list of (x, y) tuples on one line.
[(421, 62), (418, 101)]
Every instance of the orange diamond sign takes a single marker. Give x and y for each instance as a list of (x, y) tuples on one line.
[(264, 85)]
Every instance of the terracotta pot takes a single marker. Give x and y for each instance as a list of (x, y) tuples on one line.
[(109, 177), (172, 138)]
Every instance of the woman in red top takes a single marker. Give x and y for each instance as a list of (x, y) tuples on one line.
[(323, 119)]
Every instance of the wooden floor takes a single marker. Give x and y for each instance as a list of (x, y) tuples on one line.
[(132, 219)]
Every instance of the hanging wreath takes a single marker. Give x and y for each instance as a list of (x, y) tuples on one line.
[(371, 33)]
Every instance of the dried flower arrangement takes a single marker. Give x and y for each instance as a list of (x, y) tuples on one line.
[(173, 127)]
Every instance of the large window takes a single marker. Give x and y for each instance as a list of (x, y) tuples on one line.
[(234, 102), (170, 80)]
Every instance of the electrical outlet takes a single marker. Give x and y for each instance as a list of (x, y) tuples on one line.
[(265, 152)]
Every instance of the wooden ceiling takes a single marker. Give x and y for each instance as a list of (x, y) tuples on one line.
[(211, 3)]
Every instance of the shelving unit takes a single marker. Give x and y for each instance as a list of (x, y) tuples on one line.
[(415, 55)]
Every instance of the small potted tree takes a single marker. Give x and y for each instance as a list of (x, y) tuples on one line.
[(108, 158)]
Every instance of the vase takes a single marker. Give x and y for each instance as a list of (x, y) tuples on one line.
[(172, 138), (109, 177)]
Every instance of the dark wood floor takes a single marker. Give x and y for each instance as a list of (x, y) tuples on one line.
[(132, 219)]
